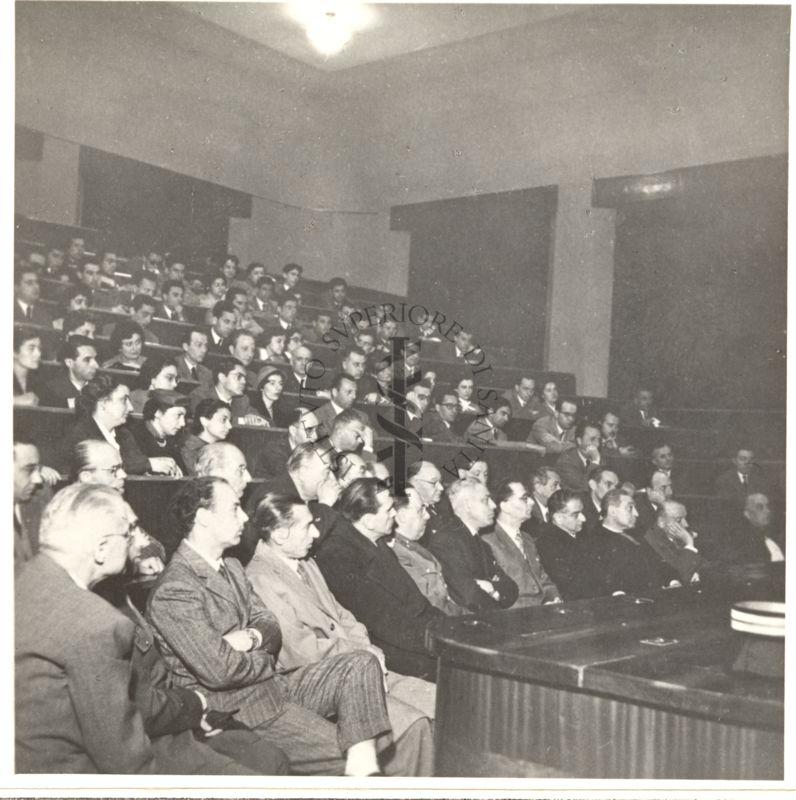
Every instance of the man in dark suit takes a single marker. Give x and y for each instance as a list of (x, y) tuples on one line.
[(224, 320), (171, 309), (366, 578), (673, 541), (78, 354), (524, 403), (308, 474), (546, 482), (217, 636), (229, 387), (648, 502), (558, 542), (343, 395), (611, 560), (417, 400), (28, 482), (612, 441), (601, 481), (83, 702), (743, 479), (189, 364), (26, 297), (438, 422), (752, 539), (641, 411), (515, 551), (473, 576), (576, 465)]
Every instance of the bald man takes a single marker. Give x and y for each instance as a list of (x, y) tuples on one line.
[(674, 542)]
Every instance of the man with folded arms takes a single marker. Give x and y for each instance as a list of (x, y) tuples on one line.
[(315, 626), (471, 572), (91, 692), (218, 637)]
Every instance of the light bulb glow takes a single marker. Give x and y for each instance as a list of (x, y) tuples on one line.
[(330, 23), (328, 36)]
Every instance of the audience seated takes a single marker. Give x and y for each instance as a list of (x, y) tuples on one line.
[(27, 291), (79, 323), (287, 308), (366, 578), (230, 388), (320, 327), (172, 293), (411, 516), (601, 481), (262, 304), (641, 411), (78, 354), (212, 422), (87, 277), (223, 321), (73, 298), (426, 480), (343, 395), (101, 412), (611, 561), (417, 400), (27, 358), (157, 373), (242, 348), (662, 459), (271, 345), (474, 577), (28, 481), (315, 626), (549, 406), (753, 538), (107, 265), (559, 542), (612, 441), (514, 549), (194, 350), (216, 292), (438, 421), (218, 637), (674, 542), (291, 275), (142, 311), (272, 460), (546, 482), (336, 293), (575, 466), (270, 383), (649, 500), (743, 479), (524, 403), (556, 433), (164, 418), (464, 389), (127, 341)]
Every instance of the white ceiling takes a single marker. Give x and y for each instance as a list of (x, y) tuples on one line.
[(394, 29)]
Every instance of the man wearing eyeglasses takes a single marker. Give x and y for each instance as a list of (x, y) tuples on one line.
[(556, 434), (92, 694), (438, 422), (230, 388), (426, 480)]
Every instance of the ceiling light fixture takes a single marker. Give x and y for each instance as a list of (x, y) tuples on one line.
[(330, 23)]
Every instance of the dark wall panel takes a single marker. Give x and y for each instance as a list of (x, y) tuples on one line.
[(142, 206), (700, 294), (484, 261)]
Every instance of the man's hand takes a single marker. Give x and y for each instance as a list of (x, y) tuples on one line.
[(488, 588), (678, 534), (239, 640), (255, 420), (49, 475), (628, 450), (27, 399), (593, 454), (163, 465), (149, 566)]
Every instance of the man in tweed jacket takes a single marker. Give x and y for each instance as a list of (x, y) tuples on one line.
[(218, 637)]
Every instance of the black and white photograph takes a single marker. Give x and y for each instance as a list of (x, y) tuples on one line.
[(399, 399)]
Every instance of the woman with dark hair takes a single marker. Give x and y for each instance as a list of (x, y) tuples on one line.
[(27, 357), (464, 388), (157, 373), (127, 341), (216, 291), (73, 298), (270, 385), (212, 422), (101, 412)]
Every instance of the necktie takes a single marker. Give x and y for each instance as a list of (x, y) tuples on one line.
[(193, 374), (520, 545), (302, 572), (29, 313)]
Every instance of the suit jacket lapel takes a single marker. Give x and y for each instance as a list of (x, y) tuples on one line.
[(214, 583)]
